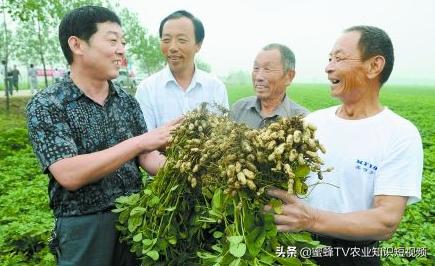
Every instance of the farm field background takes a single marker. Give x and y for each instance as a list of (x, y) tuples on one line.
[(26, 220)]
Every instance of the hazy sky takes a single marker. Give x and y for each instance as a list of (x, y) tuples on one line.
[(235, 30)]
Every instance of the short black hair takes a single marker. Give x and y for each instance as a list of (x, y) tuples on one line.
[(82, 23), (375, 41), (197, 24)]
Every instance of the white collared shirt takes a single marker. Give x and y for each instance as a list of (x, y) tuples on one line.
[(162, 99)]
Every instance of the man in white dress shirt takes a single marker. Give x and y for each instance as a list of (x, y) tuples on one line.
[(179, 87)]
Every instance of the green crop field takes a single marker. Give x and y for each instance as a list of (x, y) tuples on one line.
[(26, 220)]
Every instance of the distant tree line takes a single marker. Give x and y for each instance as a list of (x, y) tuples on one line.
[(32, 37)]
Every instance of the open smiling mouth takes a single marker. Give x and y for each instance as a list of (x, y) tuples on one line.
[(174, 58)]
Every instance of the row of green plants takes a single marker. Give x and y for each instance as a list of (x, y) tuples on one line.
[(26, 220)]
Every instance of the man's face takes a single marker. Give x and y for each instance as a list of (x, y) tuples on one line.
[(268, 76), (346, 70), (178, 44), (103, 52)]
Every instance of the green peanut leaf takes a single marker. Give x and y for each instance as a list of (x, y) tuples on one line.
[(235, 262), (172, 240), (248, 221), (137, 237), (147, 242), (289, 261), (134, 223), (235, 239), (206, 255), (302, 171), (170, 209), (137, 211), (118, 210), (217, 234), (153, 201), (269, 223), (216, 202), (153, 255), (276, 205), (255, 240), (147, 192), (128, 200), (238, 250)]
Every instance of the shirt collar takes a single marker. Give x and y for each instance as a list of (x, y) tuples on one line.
[(169, 77), (74, 93), (283, 108), (115, 89), (255, 104)]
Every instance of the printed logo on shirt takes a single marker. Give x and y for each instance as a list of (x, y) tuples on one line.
[(365, 167)]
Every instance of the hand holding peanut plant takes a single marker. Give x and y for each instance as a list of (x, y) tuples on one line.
[(205, 205)]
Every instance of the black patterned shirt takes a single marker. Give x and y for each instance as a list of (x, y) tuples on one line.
[(63, 122)]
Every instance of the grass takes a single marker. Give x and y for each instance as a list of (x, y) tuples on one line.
[(316, 96)]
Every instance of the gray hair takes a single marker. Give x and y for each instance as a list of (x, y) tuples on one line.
[(287, 56)]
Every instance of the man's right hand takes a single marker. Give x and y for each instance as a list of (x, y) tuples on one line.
[(159, 137)]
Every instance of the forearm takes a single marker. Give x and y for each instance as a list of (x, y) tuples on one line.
[(78, 171), (152, 162), (372, 224)]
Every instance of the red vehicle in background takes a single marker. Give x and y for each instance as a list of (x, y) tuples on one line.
[(50, 72)]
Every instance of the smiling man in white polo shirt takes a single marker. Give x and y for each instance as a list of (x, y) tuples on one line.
[(180, 86)]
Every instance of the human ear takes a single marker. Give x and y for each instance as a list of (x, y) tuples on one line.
[(290, 76), (375, 66), (75, 44), (198, 47)]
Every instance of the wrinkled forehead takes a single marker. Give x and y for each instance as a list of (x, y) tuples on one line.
[(268, 58), (347, 44)]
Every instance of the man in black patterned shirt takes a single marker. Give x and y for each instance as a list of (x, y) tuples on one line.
[(90, 138)]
